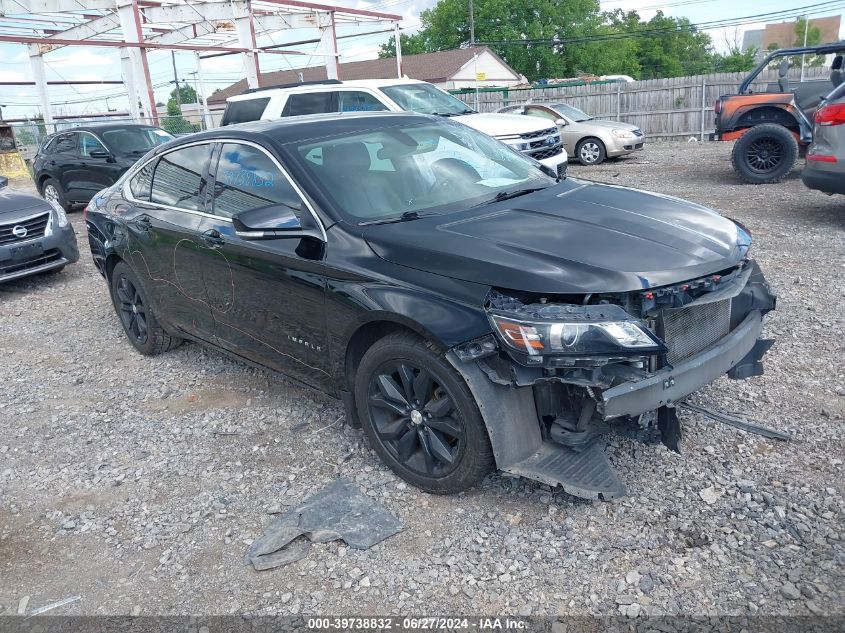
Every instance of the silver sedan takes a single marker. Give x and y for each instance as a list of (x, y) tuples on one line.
[(585, 138)]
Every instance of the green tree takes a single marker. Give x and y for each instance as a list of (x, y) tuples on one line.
[(735, 61), (174, 122)]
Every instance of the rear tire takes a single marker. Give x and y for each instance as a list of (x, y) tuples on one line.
[(51, 190), (764, 154), (420, 416), (136, 314)]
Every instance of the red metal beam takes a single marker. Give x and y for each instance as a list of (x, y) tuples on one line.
[(328, 7), (61, 83), (20, 39)]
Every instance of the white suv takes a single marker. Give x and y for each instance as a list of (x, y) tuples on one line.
[(531, 136)]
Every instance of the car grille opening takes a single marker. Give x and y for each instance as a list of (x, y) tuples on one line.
[(552, 131), (690, 330), (47, 257), (546, 153), (35, 227)]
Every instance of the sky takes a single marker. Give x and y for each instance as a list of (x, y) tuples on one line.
[(88, 63)]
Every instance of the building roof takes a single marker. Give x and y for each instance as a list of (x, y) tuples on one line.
[(432, 67)]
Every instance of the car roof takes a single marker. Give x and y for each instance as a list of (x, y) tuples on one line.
[(104, 127), (303, 128), (324, 86)]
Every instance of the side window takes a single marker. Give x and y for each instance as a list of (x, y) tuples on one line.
[(541, 113), (309, 103), (248, 179), (244, 111), (88, 143), (141, 183), (66, 143), (179, 178), (356, 101)]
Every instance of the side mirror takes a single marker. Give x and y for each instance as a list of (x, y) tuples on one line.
[(560, 122), (269, 223), (4, 182), (99, 153)]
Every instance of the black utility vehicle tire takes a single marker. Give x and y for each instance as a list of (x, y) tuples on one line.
[(51, 189), (764, 154), (595, 156), (140, 324), (468, 443)]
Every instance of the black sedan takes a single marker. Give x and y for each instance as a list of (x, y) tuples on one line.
[(71, 166), (35, 236), (469, 308)]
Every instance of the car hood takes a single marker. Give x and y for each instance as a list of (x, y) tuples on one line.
[(499, 124), (573, 238), (19, 203), (606, 123)]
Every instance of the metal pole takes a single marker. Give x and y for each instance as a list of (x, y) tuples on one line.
[(206, 115), (618, 101), (806, 30), (398, 40), (36, 61), (703, 104)]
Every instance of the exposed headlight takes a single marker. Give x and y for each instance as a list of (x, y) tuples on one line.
[(565, 338), (620, 133), (61, 216)]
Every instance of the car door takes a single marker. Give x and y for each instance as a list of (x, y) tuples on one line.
[(165, 247), (97, 166), (62, 165), (267, 296)]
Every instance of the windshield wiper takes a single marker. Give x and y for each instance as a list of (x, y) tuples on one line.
[(405, 217), (507, 194)]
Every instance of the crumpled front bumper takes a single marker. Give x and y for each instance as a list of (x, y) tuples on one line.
[(672, 384)]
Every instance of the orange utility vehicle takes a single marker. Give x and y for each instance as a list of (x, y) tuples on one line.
[(772, 128)]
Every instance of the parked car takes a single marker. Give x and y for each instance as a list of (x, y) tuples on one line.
[(35, 236), (825, 167), (539, 140), (71, 166), (587, 139), (467, 308)]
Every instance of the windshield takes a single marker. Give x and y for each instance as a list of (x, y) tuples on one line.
[(427, 99), (135, 140), (410, 170), (571, 113)]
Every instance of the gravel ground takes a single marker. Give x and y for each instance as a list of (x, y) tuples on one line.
[(137, 483)]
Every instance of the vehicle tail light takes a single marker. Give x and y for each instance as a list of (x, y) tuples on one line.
[(717, 106), (831, 114), (821, 158)]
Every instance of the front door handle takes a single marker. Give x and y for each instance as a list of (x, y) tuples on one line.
[(212, 238)]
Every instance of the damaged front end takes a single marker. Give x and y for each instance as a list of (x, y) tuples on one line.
[(559, 371)]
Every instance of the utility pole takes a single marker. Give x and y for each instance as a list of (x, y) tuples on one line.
[(176, 80), (806, 30), (471, 26)]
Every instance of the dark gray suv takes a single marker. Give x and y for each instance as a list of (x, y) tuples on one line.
[(825, 168)]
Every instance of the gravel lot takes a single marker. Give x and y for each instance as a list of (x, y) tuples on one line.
[(137, 483)]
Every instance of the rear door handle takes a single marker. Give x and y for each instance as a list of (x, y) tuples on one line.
[(212, 238)]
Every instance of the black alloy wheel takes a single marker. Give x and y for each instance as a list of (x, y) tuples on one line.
[(765, 153), (415, 419), (132, 311), (136, 314), (420, 416)]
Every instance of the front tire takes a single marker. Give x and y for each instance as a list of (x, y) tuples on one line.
[(136, 314), (590, 151), (764, 154), (420, 416)]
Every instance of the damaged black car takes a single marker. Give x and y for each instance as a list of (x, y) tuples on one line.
[(471, 310)]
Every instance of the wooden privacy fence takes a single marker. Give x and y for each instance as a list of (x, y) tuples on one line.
[(662, 108)]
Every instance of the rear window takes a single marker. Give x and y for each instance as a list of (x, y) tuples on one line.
[(310, 103), (179, 179), (244, 111), (141, 182)]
